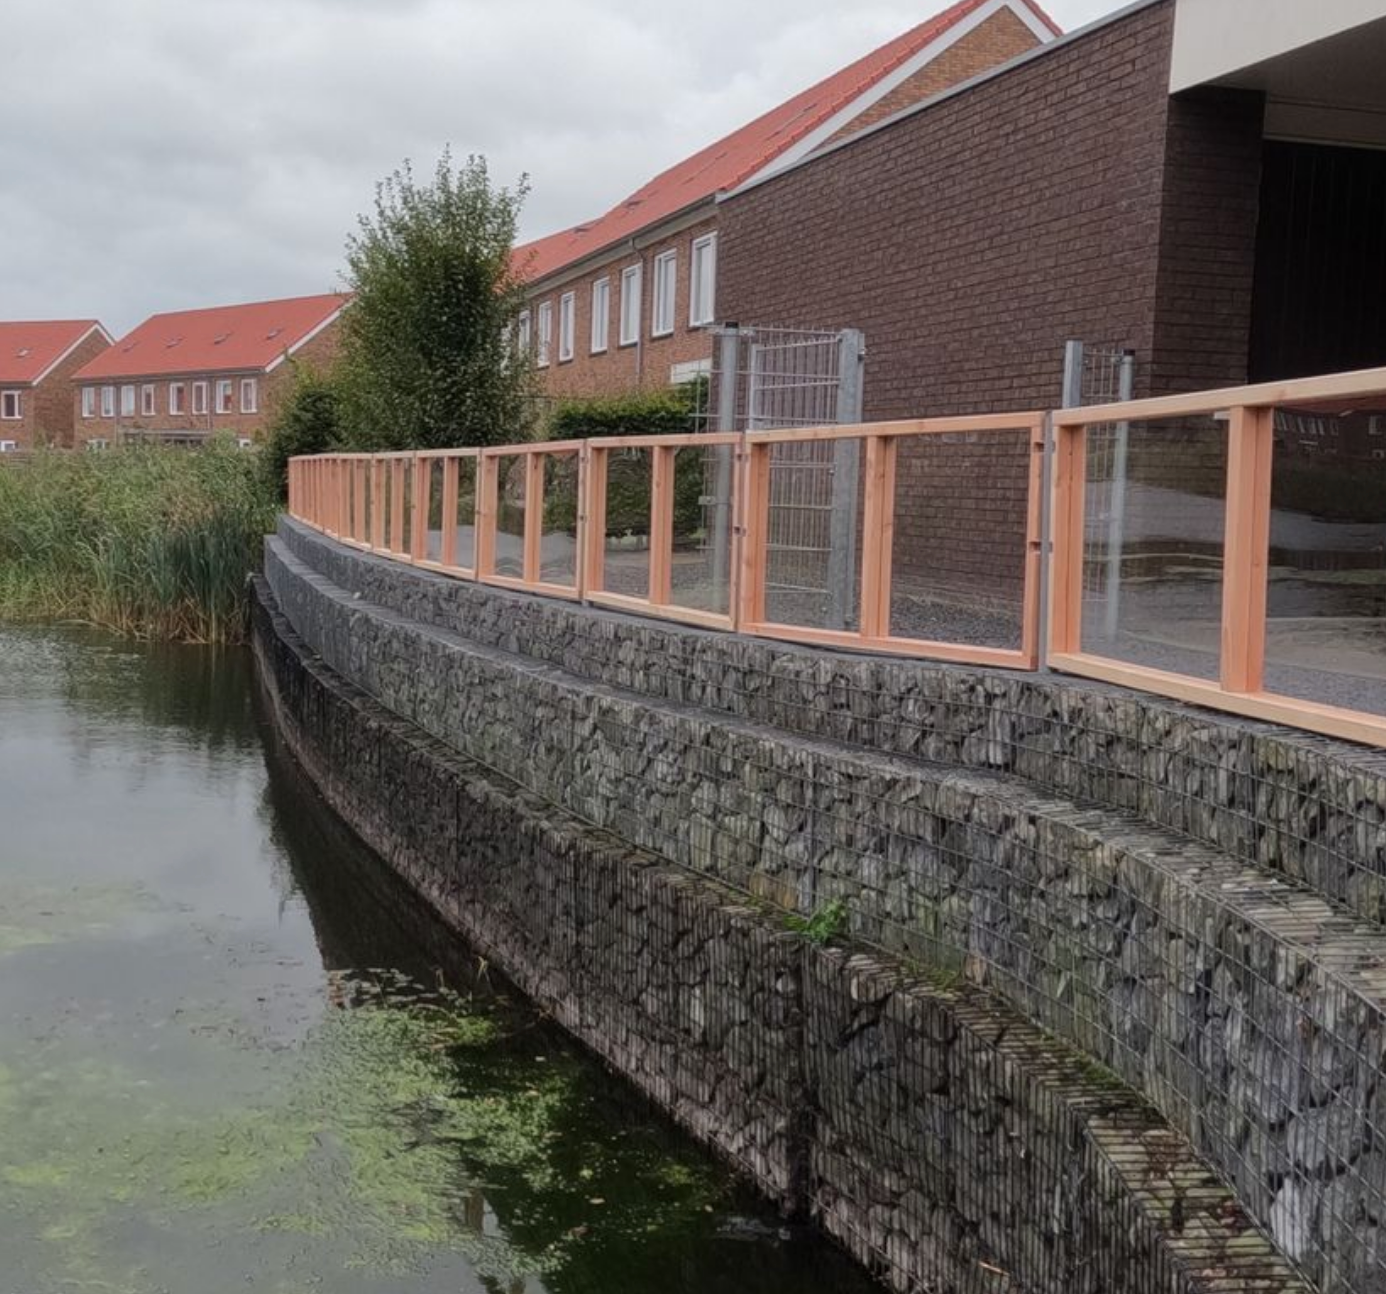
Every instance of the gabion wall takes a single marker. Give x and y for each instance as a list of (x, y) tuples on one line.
[(1247, 1009), (945, 1142)]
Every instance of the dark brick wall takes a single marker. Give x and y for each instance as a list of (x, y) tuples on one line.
[(1067, 197)]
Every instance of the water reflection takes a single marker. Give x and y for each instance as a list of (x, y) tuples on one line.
[(233, 1050)]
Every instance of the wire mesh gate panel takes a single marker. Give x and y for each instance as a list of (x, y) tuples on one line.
[(773, 378)]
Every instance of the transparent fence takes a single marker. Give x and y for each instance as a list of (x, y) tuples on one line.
[(622, 486), (954, 581), (1153, 544), (700, 569), (1326, 584), (560, 511)]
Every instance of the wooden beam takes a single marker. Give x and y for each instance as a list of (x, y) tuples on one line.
[(1246, 548), (661, 525)]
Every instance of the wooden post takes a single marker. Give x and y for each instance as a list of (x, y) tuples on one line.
[(1034, 549), (418, 530), (396, 505), (534, 517), (661, 525), (755, 491), (487, 474), (1250, 437), (594, 544), (378, 492), (447, 547), (1066, 580), (877, 549)]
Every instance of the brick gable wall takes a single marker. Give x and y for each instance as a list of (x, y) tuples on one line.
[(48, 408), (1001, 38)]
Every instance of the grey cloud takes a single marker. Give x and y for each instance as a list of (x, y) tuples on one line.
[(160, 154)]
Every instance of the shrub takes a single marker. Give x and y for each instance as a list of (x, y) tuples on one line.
[(643, 413)]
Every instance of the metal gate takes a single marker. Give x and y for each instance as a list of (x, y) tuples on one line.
[(771, 377)]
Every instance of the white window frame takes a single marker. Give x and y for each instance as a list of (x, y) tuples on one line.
[(108, 402), (98, 442), (199, 398), (147, 406), (567, 326), (632, 289), (11, 405), (666, 290), (127, 400), (225, 387), (545, 339), (177, 395), (250, 387), (525, 333), (702, 266), (88, 402), (601, 315)]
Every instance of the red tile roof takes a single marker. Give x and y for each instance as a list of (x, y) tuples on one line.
[(223, 339), (29, 350), (722, 166)]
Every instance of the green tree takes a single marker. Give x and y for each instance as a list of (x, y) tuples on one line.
[(428, 360)]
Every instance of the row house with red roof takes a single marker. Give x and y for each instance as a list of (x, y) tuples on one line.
[(627, 300), (38, 361), (183, 376)]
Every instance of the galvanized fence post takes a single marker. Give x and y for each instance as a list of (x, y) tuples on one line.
[(842, 542)]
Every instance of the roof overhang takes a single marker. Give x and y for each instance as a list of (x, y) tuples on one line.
[(1319, 64)]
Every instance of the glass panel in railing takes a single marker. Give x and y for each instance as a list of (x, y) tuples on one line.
[(1155, 516), (958, 554), (700, 563), (626, 543), (511, 503), (558, 551), (1326, 594)]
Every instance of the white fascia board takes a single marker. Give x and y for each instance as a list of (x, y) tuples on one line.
[(305, 339), (95, 328), (845, 116)]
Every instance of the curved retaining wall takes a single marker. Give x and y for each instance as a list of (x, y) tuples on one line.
[(1249, 1011), (942, 1140)]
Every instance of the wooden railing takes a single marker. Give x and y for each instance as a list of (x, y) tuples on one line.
[(695, 528), (1162, 534), (1205, 532)]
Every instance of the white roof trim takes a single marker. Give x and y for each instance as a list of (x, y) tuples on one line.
[(96, 327), (305, 339), (933, 50)]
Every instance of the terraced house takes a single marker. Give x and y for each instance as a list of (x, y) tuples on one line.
[(37, 362), (626, 300), (181, 377)]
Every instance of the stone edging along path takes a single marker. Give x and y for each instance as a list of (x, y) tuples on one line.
[(944, 1141)]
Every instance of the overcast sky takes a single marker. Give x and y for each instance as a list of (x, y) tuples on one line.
[(163, 154)]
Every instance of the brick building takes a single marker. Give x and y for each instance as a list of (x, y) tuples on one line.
[(1227, 221), (181, 377), (37, 364), (625, 300)]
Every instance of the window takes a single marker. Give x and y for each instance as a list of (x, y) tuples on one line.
[(567, 324), (630, 305), (108, 402), (9, 446), (127, 402), (147, 400), (98, 442), (88, 402), (199, 397), (250, 395), (702, 281), (224, 386), (601, 315), (11, 405), (524, 341), (175, 397), (666, 268), (545, 331)]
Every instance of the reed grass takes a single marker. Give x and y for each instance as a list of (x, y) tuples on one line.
[(149, 542)]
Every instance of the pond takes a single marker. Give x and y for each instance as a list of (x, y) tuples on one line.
[(235, 1055)]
